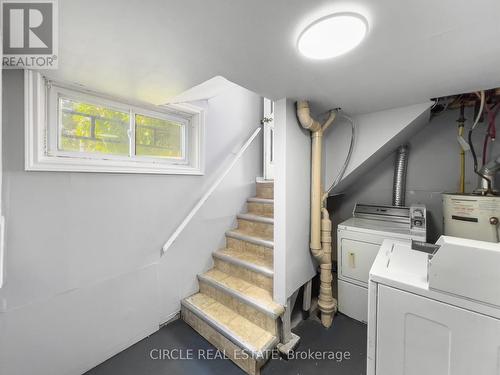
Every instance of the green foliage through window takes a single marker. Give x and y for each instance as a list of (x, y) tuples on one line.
[(90, 128), (95, 129), (157, 137)]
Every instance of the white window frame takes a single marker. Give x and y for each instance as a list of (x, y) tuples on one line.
[(42, 120)]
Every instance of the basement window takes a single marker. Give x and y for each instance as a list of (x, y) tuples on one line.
[(72, 129)]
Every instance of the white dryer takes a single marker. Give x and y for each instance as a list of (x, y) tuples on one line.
[(358, 241), (435, 312)]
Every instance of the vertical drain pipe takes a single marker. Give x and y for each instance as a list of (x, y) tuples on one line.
[(399, 181), (321, 226)]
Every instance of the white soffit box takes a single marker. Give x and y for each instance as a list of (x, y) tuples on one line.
[(377, 135), (205, 90)]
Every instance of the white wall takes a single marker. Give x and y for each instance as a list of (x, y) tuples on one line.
[(1, 174), (376, 135), (293, 263), (83, 274), (433, 168)]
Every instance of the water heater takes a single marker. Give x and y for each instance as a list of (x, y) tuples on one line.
[(472, 216)]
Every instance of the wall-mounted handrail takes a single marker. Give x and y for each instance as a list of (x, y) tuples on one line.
[(209, 192)]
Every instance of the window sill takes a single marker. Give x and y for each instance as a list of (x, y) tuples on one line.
[(62, 164)]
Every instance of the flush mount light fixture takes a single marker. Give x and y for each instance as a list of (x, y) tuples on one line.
[(332, 35)]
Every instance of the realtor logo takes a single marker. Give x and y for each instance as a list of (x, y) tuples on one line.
[(30, 31)]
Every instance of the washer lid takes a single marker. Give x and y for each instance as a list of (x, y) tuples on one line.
[(466, 268), (398, 266), (397, 263)]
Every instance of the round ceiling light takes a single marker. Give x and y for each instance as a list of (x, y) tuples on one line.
[(332, 36)]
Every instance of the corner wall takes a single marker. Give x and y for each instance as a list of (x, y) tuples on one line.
[(293, 263), (83, 273), (377, 133)]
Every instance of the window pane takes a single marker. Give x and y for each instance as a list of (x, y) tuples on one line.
[(90, 128), (158, 137)]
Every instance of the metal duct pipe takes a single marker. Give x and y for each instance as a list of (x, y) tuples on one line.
[(399, 181), (321, 226)]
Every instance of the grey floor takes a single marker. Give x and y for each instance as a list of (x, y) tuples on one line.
[(346, 335)]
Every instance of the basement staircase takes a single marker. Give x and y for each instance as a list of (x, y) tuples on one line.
[(234, 308)]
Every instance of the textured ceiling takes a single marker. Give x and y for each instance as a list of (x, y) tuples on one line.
[(155, 49)]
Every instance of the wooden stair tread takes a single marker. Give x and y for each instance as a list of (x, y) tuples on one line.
[(245, 290), (238, 232), (245, 257), (266, 183), (236, 328), (257, 218)]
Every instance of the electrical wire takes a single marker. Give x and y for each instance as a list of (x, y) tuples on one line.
[(485, 147), (471, 145), (349, 153), (481, 106), (491, 130), (461, 125), (476, 171)]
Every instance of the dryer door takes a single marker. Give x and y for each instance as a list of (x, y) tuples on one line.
[(357, 259)]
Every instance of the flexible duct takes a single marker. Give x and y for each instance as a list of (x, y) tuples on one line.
[(399, 181), (321, 226)]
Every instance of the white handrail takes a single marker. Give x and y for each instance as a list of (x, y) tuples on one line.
[(209, 192)]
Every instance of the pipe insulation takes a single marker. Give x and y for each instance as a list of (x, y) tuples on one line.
[(399, 181)]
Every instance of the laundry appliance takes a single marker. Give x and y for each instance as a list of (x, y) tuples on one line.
[(358, 241), (435, 309)]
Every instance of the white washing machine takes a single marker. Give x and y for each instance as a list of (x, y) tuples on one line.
[(435, 313), (358, 242)]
